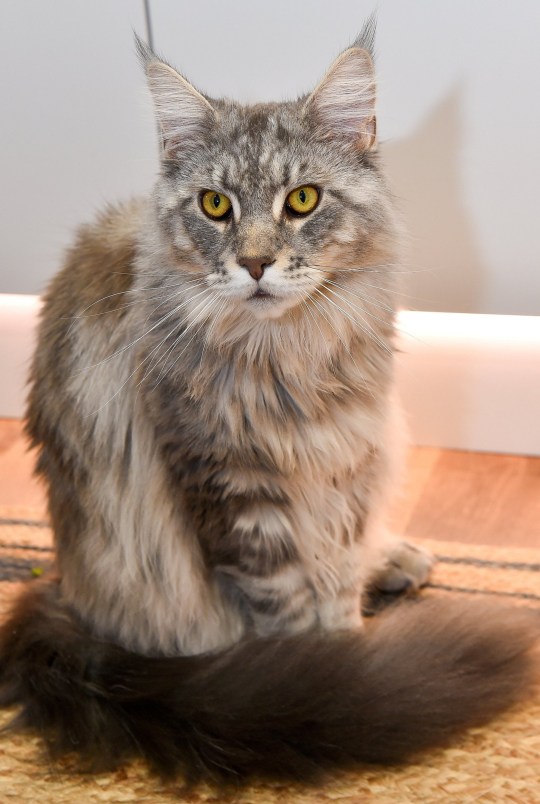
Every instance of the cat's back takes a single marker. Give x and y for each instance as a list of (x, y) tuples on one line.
[(85, 305), (98, 268)]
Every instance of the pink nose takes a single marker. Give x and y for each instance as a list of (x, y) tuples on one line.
[(255, 265)]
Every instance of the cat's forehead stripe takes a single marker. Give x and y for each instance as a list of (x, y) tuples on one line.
[(260, 148), (263, 177)]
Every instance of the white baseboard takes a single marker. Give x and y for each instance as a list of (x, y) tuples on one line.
[(466, 381), (471, 381), (18, 320)]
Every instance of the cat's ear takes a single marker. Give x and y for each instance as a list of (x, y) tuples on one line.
[(182, 112), (342, 106)]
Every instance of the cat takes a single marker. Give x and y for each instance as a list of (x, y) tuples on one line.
[(213, 407)]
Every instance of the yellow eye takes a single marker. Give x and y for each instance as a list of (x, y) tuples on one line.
[(302, 200), (215, 205)]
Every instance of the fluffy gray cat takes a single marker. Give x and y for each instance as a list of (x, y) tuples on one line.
[(211, 400)]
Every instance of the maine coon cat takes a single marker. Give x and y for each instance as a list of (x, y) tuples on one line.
[(212, 402)]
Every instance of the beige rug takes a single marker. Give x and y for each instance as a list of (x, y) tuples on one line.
[(500, 763)]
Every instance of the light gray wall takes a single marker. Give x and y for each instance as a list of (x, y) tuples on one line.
[(458, 115), (75, 129)]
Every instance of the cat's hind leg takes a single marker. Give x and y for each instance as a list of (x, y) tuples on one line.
[(392, 565)]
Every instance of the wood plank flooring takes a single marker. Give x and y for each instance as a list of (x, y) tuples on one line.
[(449, 495), (17, 485), (470, 497)]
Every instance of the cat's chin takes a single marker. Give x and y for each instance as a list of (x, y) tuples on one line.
[(267, 306)]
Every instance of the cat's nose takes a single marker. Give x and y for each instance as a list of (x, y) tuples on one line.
[(255, 265)]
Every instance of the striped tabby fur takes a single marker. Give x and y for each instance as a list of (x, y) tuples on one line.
[(217, 463)]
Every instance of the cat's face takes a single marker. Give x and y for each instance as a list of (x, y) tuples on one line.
[(265, 201)]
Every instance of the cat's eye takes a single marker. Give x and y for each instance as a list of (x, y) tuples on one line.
[(215, 205), (302, 200)]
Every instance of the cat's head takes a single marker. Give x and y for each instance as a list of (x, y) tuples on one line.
[(269, 201)]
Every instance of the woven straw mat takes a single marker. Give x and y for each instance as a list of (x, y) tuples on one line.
[(499, 763)]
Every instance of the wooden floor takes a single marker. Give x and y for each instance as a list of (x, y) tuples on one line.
[(449, 495)]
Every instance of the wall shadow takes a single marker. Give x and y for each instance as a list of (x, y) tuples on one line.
[(447, 272)]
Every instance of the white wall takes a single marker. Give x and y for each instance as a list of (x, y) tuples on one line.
[(459, 113), (74, 128)]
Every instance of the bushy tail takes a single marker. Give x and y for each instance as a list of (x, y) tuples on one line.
[(285, 708)]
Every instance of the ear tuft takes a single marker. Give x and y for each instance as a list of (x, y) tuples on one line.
[(366, 38), (182, 112), (144, 51), (343, 105)]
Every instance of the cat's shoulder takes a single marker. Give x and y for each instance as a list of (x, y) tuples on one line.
[(98, 267)]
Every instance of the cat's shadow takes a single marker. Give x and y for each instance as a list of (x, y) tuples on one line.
[(447, 270)]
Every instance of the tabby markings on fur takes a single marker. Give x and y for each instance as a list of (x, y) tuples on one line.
[(213, 408)]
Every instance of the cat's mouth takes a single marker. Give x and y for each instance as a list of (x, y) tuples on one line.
[(262, 294)]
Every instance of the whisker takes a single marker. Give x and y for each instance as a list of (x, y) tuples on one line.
[(164, 318), (314, 319), (401, 294), (357, 293), (213, 325), (188, 286), (368, 331), (399, 328), (384, 268), (75, 318), (162, 373), (144, 298), (135, 370), (179, 338), (167, 336), (393, 291), (115, 309), (340, 338), (360, 311), (163, 357)]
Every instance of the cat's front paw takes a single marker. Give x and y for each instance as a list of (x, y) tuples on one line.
[(406, 568)]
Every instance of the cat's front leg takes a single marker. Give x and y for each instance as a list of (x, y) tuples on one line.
[(339, 600), (259, 556)]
